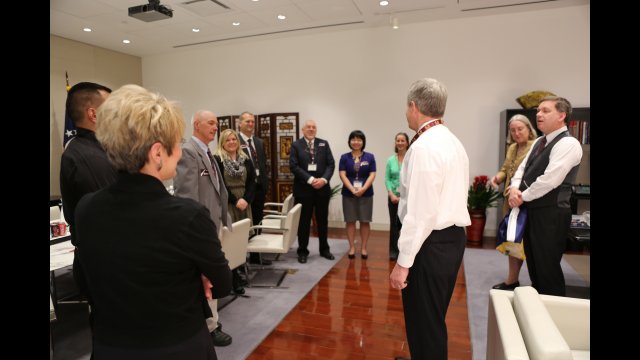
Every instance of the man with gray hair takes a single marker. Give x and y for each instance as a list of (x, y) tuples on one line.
[(199, 178), (433, 210), (312, 165)]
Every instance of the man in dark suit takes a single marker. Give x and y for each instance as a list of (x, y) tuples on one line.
[(542, 184), (199, 178), (312, 165), (254, 148)]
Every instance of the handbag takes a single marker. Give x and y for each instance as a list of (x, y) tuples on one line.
[(511, 233)]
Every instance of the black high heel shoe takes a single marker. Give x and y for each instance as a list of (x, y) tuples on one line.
[(351, 256), (364, 256)]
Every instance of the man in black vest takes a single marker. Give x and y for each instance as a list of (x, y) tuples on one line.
[(542, 184)]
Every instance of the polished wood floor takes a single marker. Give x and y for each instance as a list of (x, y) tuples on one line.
[(353, 313)]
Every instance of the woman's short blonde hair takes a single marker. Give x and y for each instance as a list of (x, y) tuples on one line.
[(222, 153), (131, 120), (525, 120)]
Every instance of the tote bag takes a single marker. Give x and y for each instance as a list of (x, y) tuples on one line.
[(511, 232)]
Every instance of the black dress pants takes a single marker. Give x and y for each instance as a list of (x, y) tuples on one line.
[(394, 227), (546, 239), (257, 207), (320, 203), (429, 288)]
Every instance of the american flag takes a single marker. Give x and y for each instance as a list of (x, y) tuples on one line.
[(69, 128)]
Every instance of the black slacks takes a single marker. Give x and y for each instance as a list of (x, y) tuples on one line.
[(546, 239), (394, 227), (429, 288), (257, 207), (319, 202)]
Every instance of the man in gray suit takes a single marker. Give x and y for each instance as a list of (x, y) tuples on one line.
[(199, 178)]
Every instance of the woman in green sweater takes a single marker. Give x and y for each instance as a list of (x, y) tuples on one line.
[(392, 181)]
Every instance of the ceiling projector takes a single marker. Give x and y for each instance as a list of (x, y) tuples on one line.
[(151, 12)]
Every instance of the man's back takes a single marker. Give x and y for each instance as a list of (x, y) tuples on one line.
[(84, 168)]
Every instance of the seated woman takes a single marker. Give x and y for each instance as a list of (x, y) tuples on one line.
[(143, 250), (239, 178)]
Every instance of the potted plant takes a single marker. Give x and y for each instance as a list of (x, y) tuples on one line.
[(480, 197)]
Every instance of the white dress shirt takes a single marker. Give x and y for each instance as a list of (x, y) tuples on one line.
[(566, 154), (434, 182)]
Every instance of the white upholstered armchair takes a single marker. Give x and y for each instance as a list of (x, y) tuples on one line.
[(526, 325)]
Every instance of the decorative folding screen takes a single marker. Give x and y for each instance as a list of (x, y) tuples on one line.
[(278, 131)]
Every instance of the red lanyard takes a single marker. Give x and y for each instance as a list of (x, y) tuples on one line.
[(425, 128)]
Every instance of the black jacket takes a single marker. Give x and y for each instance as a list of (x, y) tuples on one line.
[(299, 165), (84, 168), (143, 251)]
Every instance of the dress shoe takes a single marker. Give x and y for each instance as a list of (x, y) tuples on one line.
[(504, 286), (327, 255), (220, 338), (239, 290), (302, 259)]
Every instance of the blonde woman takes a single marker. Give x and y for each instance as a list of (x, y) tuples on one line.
[(238, 174), (143, 250), (521, 136)]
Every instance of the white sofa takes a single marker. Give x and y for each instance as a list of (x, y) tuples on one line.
[(526, 325)]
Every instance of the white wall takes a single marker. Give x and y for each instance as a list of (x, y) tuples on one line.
[(358, 79), (83, 63)]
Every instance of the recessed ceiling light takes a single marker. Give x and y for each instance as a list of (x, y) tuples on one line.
[(281, 17), (87, 30), (235, 23), (384, 3), (126, 41), (195, 30), (255, 0)]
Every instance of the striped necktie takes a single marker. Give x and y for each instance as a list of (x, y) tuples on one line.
[(541, 145), (254, 154)]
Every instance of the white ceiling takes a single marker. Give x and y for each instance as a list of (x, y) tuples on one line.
[(111, 24)]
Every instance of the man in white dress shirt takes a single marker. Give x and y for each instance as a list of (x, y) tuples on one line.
[(434, 181), (542, 184)]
